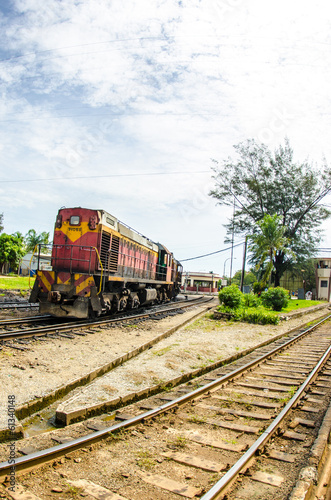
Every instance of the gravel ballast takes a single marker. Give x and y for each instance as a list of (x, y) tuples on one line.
[(53, 363)]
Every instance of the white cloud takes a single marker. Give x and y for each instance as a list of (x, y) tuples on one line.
[(98, 88)]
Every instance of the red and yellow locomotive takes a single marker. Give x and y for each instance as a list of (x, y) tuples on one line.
[(100, 265)]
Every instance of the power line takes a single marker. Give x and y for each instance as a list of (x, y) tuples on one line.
[(102, 176), (27, 54), (114, 115), (213, 253), (234, 246), (161, 38)]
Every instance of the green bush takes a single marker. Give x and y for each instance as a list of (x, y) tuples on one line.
[(258, 316), (255, 315), (258, 287), (231, 297), (275, 298), (251, 300)]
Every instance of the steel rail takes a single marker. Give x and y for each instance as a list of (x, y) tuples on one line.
[(17, 305), (32, 319), (29, 319), (219, 489), (41, 330), (30, 461)]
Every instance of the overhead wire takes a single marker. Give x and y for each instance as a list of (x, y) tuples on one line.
[(102, 176), (213, 253), (161, 38)]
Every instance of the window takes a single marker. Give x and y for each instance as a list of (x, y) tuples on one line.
[(74, 220), (324, 283), (110, 221)]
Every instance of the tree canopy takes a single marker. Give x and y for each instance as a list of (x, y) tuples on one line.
[(32, 239), (266, 242), (11, 250), (249, 278), (260, 182)]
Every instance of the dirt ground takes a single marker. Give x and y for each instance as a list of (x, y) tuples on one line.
[(50, 364), (117, 462)]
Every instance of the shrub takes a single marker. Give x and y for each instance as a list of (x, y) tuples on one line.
[(231, 297), (258, 287), (275, 298), (258, 316), (251, 300), (252, 315)]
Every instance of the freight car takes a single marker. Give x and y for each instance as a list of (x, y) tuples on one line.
[(100, 266)]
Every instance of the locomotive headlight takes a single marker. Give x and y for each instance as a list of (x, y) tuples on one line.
[(74, 220), (58, 223)]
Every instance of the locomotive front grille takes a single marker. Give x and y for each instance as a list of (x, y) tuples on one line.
[(113, 258), (104, 250)]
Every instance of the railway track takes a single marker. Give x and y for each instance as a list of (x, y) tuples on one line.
[(157, 312), (17, 305), (204, 443), (23, 321)]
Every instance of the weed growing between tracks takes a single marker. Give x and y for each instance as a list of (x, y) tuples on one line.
[(74, 491), (196, 419), (145, 460), (164, 350), (178, 442)]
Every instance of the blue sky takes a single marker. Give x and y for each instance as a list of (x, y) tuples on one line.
[(95, 94)]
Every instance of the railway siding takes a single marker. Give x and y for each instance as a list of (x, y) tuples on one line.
[(168, 361), (166, 455), (37, 372), (47, 364)]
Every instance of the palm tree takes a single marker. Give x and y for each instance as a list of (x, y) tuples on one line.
[(268, 239), (32, 239)]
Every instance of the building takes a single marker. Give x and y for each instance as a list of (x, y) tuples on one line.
[(323, 278), (200, 282), (29, 264)]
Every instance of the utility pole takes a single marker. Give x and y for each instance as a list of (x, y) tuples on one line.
[(243, 266), (232, 240), (224, 266)]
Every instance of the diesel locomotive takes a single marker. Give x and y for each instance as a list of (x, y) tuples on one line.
[(100, 265)]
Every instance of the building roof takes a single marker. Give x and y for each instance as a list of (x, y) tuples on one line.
[(201, 274)]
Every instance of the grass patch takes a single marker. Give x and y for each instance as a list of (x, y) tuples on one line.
[(164, 350), (15, 282), (256, 315), (299, 304), (207, 323)]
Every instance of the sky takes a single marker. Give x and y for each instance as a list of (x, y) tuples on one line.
[(122, 106)]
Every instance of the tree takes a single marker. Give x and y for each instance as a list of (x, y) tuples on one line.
[(11, 250), (266, 242), (249, 278), (1, 223), (260, 182), (305, 270), (32, 239)]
